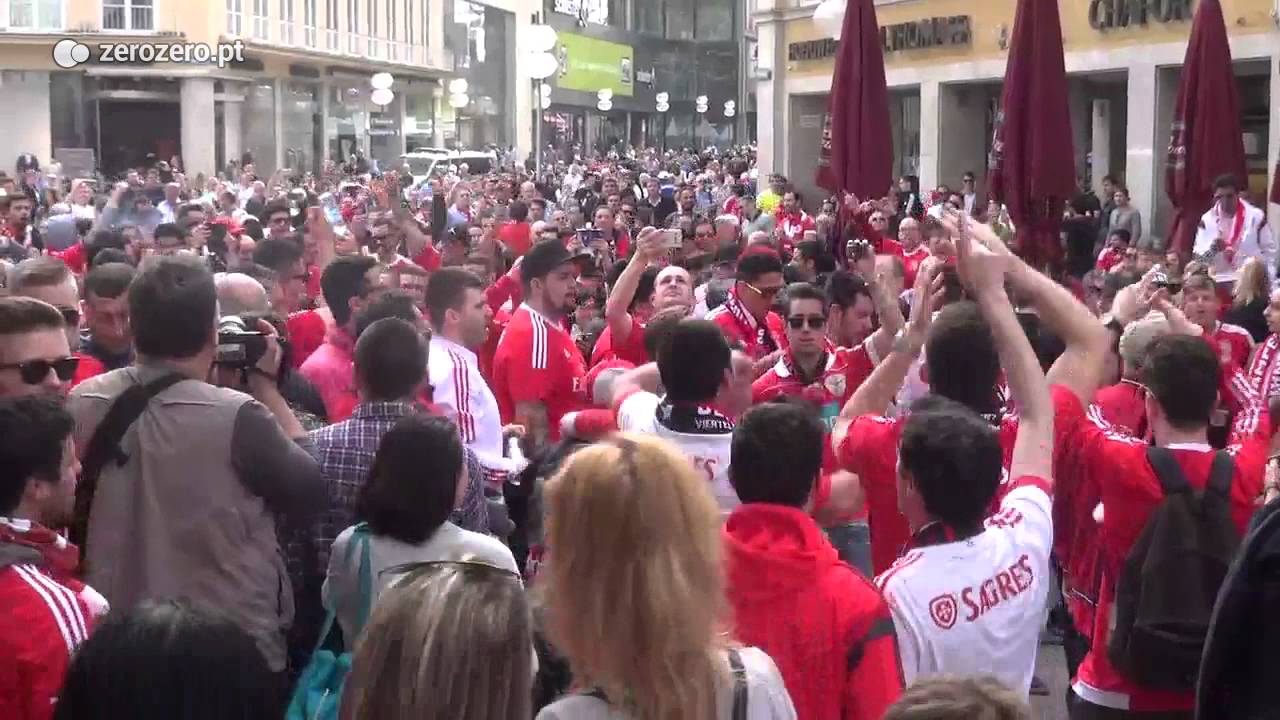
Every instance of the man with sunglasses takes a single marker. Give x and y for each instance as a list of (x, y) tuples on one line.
[(35, 357), (277, 220), (49, 281), (746, 316)]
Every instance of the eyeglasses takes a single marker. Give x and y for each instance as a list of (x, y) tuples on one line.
[(704, 234), (763, 292), (815, 322), (34, 372), (279, 221), (70, 316)]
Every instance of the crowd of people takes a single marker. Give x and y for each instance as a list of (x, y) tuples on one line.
[(639, 437)]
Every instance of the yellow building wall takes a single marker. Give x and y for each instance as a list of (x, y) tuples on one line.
[(989, 18)]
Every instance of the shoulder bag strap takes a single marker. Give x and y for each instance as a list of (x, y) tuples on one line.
[(1172, 480), (330, 615), (361, 535), (739, 685), (104, 447), (1221, 473)]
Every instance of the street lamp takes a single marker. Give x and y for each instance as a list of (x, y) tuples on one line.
[(458, 99), (829, 17), (663, 105), (538, 63)]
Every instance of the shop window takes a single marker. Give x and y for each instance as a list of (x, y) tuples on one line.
[(35, 15), (375, 47), (286, 21), (353, 27), (235, 18), (128, 15), (393, 42), (714, 19)]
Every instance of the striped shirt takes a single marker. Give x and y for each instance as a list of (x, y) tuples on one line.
[(460, 392)]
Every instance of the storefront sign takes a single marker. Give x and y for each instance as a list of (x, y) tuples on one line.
[(914, 35), (592, 65), (927, 33), (1108, 14)]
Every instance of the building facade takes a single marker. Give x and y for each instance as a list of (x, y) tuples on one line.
[(300, 96), (945, 61), (639, 49)]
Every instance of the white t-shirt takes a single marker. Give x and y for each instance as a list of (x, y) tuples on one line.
[(709, 452), (976, 606), (767, 696), (460, 390)]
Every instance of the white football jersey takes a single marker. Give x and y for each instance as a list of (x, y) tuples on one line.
[(460, 391), (976, 606), (709, 452)]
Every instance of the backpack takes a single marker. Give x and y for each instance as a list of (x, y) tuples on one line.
[(318, 694), (1171, 577)]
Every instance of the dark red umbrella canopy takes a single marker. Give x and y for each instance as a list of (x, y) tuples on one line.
[(1032, 163), (1205, 138), (857, 141)]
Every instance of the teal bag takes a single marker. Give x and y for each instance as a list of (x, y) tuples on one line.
[(318, 694)]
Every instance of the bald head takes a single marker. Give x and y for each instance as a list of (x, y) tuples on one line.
[(909, 233), (239, 294)]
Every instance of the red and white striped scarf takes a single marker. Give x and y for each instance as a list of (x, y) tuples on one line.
[(1264, 367)]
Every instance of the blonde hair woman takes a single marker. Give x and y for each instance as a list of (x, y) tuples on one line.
[(450, 640), (633, 593), (1250, 299)]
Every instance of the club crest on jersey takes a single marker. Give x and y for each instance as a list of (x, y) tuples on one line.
[(943, 610), (836, 384)]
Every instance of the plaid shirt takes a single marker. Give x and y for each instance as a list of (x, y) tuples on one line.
[(346, 452)]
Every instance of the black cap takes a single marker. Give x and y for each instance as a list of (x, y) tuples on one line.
[(27, 161), (544, 257)]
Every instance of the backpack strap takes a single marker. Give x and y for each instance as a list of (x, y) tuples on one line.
[(104, 447), (330, 615), (739, 685), (1168, 472), (1221, 473)]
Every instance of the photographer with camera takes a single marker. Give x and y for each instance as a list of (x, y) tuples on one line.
[(183, 480)]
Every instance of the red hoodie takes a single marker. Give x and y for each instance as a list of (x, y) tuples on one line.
[(827, 627)]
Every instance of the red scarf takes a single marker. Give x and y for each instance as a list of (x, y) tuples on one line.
[(1237, 229), (1263, 369), (747, 323)]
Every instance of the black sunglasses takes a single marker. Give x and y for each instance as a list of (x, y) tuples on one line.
[(33, 372), (815, 322)]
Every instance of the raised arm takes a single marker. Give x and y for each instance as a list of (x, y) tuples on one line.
[(624, 290), (985, 273), (890, 314), (877, 392), (1080, 367)]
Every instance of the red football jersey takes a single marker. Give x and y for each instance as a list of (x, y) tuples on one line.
[(1129, 491), (870, 450), (911, 261), (632, 349), (1234, 343), (537, 361)]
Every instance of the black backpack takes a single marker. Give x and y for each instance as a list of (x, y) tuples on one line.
[(1170, 580)]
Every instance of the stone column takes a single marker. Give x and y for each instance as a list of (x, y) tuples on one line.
[(197, 137)]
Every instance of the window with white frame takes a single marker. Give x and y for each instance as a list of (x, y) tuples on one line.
[(261, 19), (128, 15), (408, 29), (331, 25), (286, 21), (375, 47), (393, 42), (309, 22), (235, 18), (353, 26), (426, 32), (33, 15)]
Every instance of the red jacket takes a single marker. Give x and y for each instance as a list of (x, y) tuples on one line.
[(827, 627), (47, 614)]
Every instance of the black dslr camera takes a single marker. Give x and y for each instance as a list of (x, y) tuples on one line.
[(238, 346)]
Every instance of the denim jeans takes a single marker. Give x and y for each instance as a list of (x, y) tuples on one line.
[(853, 542)]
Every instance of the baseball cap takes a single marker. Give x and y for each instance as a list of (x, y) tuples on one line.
[(544, 257)]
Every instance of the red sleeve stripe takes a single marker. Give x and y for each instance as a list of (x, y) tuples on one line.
[(903, 562), (462, 389), (62, 605)]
